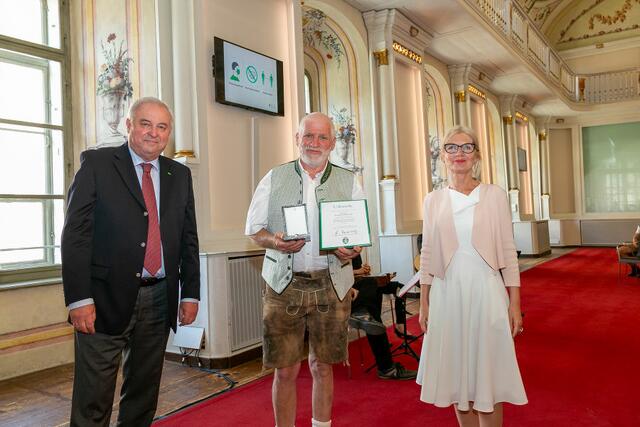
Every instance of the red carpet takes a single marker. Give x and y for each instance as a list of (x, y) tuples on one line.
[(579, 357)]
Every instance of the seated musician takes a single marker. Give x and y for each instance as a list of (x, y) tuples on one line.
[(366, 310), (629, 250)]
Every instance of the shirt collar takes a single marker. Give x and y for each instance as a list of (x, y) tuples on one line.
[(137, 160), (318, 175)]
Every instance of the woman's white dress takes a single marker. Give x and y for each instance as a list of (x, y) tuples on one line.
[(468, 353)]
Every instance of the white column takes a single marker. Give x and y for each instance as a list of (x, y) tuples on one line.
[(386, 29), (389, 206), (510, 143), (185, 94), (514, 202)]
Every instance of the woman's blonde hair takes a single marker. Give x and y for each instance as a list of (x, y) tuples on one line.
[(459, 129)]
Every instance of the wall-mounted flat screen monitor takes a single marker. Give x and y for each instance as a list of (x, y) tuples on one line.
[(247, 79), (522, 160)]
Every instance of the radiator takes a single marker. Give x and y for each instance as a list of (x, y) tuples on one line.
[(245, 307), (607, 232)]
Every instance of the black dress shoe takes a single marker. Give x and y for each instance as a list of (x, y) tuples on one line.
[(397, 372), (404, 334)]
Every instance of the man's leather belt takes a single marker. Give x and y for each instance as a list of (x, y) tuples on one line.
[(312, 274), (150, 281)]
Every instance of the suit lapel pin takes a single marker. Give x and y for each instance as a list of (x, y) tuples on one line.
[(168, 173)]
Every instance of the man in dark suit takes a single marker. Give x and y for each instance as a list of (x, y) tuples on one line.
[(129, 247)]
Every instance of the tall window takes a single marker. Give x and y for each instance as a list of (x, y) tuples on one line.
[(307, 93), (33, 134), (611, 176), (434, 128)]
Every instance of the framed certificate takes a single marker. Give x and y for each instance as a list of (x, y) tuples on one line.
[(344, 224), (295, 222)]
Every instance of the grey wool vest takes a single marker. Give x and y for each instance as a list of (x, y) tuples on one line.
[(286, 190)]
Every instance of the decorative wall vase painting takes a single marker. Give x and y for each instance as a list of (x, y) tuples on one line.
[(114, 88)]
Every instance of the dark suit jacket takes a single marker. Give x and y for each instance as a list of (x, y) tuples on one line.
[(105, 225)]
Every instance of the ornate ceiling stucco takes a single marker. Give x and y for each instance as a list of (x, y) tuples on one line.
[(540, 10), (574, 23)]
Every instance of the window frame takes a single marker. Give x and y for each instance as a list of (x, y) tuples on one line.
[(46, 270)]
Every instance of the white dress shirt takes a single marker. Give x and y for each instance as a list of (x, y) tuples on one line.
[(309, 257)]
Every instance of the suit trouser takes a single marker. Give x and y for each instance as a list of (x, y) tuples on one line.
[(98, 356)]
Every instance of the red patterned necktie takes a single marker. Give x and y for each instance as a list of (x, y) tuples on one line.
[(152, 255)]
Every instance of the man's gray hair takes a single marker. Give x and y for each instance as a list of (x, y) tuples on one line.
[(148, 100), (316, 115)]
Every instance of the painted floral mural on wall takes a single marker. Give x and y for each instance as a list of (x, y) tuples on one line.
[(315, 33), (345, 140), (114, 72), (114, 87)]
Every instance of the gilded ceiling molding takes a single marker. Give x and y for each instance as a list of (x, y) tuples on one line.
[(474, 90), (521, 116), (407, 52), (507, 120), (461, 96)]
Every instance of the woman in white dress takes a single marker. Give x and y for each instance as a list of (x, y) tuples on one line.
[(467, 264)]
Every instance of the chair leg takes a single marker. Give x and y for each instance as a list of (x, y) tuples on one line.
[(393, 311), (360, 344)]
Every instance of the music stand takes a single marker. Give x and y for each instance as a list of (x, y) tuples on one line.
[(405, 346)]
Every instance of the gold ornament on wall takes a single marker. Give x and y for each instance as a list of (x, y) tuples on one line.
[(382, 57), (477, 92), (461, 96), (404, 51)]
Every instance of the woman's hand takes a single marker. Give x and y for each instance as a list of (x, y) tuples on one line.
[(515, 313), (423, 317), (515, 319)]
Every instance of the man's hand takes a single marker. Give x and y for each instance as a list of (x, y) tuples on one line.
[(362, 271), (188, 312), (83, 318), (346, 253), (287, 246)]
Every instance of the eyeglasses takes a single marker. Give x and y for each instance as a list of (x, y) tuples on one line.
[(467, 148)]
